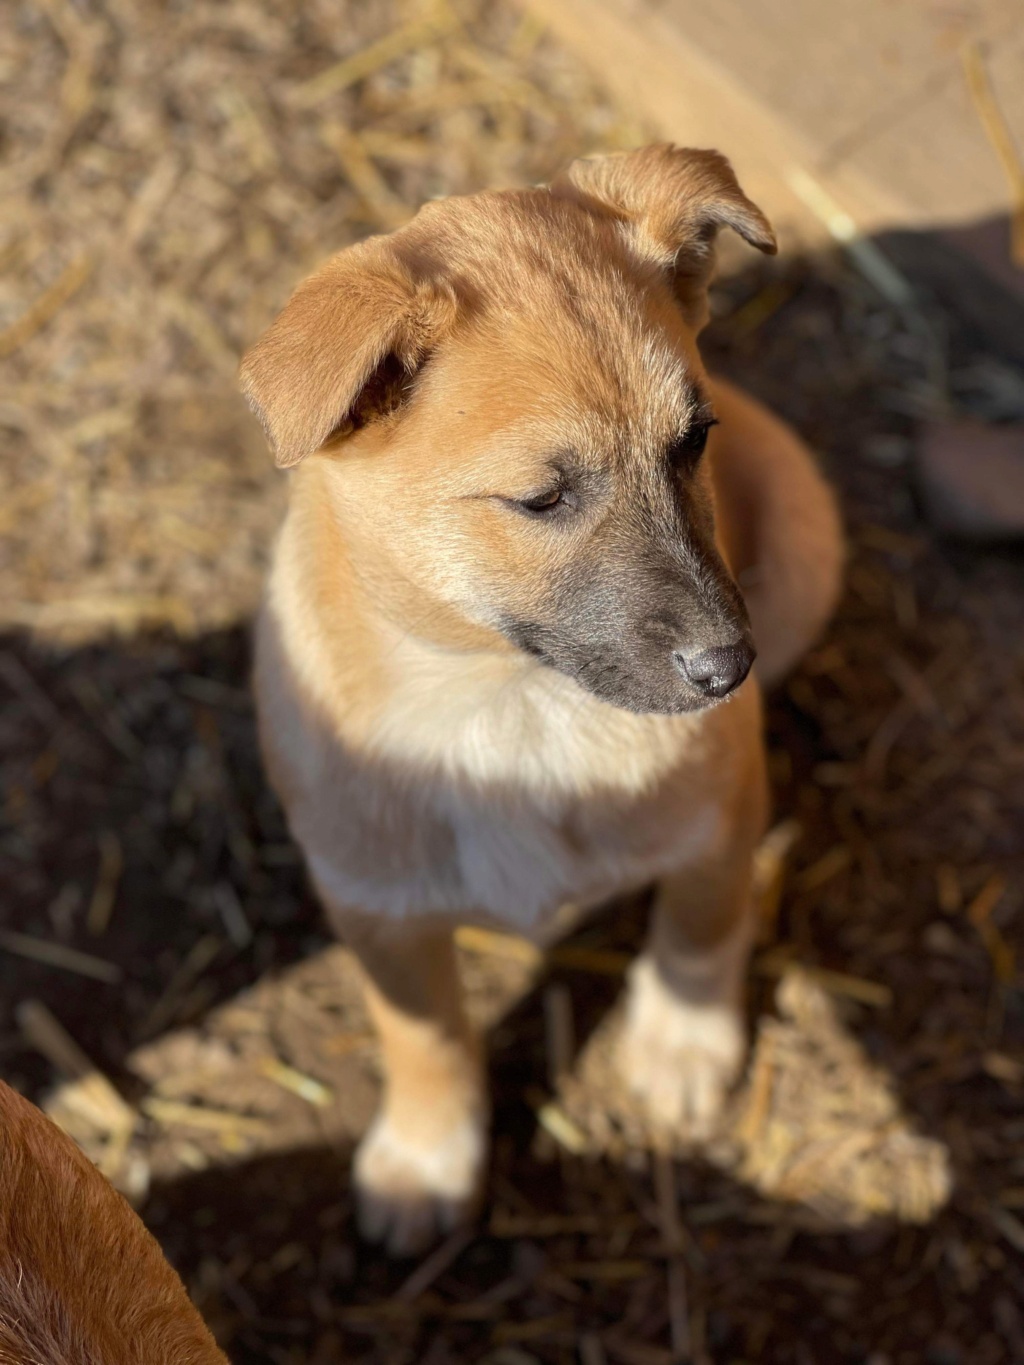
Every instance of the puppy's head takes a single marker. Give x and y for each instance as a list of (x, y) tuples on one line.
[(510, 414)]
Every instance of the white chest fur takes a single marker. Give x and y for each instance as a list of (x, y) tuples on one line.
[(498, 788)]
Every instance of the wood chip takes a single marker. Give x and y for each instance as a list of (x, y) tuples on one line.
[(836, 983), (172, 1114), (555, 1121), (111, 864), (979, 911), (95, 1095), (312, 1091), (439, 1260), (49, 303), (50, 954), (997, 130), (410, 37), (559, 1032)]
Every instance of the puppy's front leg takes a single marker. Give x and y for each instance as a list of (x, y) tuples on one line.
[(683, 1040), (419, 1167)]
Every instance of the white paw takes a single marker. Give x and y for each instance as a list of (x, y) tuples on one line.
[(408, 1195), (679, 1057)]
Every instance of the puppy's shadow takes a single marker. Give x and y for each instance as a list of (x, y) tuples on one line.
[(275, 1264)]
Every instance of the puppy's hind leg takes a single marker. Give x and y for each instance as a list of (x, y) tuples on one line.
[(419, 1168)]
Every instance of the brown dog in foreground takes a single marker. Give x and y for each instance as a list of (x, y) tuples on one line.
[(81, 1280), (510, 597)]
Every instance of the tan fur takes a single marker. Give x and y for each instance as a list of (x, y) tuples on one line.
[(779, 527), (81, 1280), (432, 771), (673, 206)]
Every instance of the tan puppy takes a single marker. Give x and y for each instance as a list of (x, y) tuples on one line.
[(502, 616)]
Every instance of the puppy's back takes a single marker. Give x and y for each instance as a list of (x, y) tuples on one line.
[(780, 526), (81, 1280)]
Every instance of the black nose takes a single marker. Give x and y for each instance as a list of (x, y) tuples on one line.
[(716, 672)]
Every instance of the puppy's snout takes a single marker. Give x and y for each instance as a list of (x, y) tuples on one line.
[(718, 671)]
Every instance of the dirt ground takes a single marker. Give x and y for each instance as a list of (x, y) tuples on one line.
[(865, 1201)]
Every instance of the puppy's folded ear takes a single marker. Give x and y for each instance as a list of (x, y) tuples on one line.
[(673, 200), (343, 349)]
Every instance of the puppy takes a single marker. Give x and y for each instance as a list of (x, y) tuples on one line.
[(530, 551)]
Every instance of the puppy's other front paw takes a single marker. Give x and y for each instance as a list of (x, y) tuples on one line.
[(408, 1193), (678, 1057)]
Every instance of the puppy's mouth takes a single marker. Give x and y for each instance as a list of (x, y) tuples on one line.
[(660, 682)]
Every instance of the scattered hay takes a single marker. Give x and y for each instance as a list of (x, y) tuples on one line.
[(815, 1122), (194, 163), (820, 1125)]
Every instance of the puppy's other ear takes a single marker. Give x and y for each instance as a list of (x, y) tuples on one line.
[(674, 200), (343, 349)]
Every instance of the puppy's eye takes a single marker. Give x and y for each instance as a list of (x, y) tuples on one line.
[(546, 502), (689, 447)]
